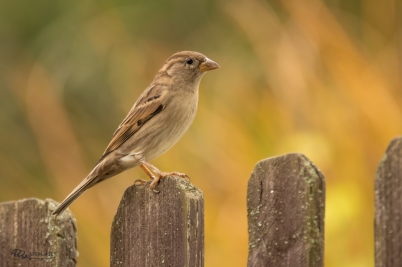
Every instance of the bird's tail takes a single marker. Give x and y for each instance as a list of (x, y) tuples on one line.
[(81, 188)]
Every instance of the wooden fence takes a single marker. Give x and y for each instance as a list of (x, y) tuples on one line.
[(285, 205)]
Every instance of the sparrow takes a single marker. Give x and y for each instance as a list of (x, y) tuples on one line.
[(158, 119)]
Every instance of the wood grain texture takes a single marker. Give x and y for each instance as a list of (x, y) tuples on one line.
[(31, 236), (164, 229), (285, 205), (388, 207)]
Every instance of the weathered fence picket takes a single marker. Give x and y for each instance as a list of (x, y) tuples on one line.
[(388, 208), (285, 202), (159, 229), (31, 236)]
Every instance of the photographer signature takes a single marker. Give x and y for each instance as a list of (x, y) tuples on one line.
[(30, 255)]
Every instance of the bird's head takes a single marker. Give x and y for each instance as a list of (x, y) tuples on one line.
[(187, 66)]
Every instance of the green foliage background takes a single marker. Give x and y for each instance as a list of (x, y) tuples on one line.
[(318, 77)]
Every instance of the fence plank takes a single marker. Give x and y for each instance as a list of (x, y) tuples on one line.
[(388, 207), (31, 236), (285, 203), (164, 229)]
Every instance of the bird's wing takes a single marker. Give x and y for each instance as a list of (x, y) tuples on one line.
[(153, 92), (147, 106)]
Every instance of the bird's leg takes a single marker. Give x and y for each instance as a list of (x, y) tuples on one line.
[(140, 157), (159, 173), (147, 171)]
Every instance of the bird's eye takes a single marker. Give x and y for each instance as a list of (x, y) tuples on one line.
[(189, 61)]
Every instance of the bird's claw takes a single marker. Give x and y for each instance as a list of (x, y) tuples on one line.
[(140, 182), (155, 191), (183, 175), (152, 184), (159, 175)]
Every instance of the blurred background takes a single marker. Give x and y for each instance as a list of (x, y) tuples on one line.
[(318, 77)]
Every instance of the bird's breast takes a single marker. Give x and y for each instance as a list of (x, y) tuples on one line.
[(164, 130), (177, 118)]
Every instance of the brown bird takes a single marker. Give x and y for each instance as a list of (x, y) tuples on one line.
[(158, 119)]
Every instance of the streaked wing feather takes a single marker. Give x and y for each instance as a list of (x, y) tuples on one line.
[(147, 106), (154, 91)]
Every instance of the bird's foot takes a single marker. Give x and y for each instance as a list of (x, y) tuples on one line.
[(161, 175), (158, 174), (140, 182)]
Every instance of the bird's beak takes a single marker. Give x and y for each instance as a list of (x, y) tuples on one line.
[(208, 65)]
